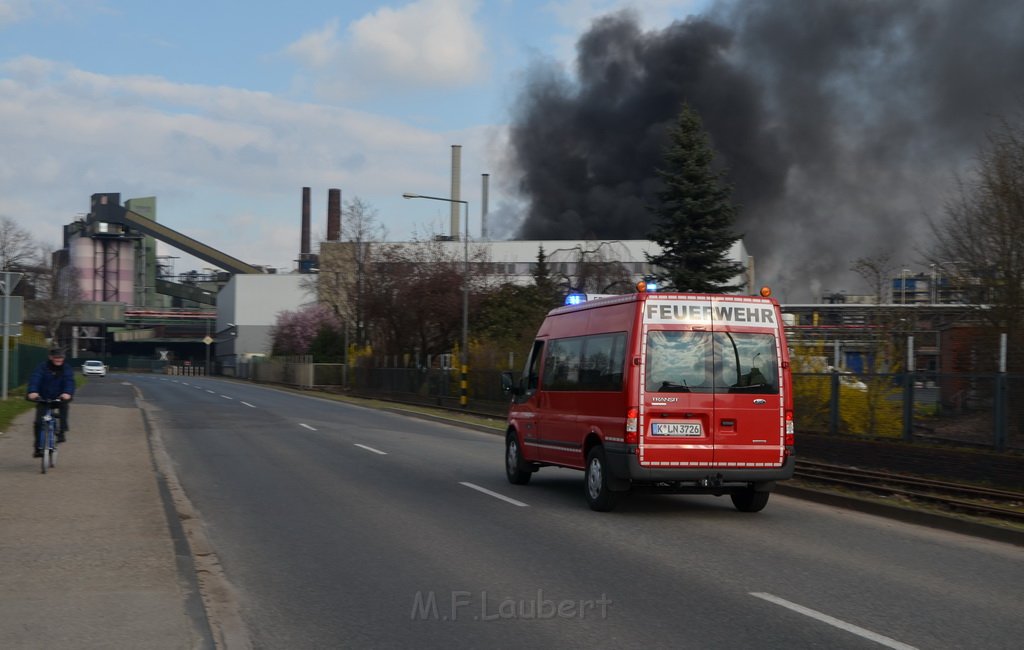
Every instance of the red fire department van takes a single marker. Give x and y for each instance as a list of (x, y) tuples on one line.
[(669, 392)]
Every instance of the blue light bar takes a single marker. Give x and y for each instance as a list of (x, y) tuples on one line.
[(575, 298)]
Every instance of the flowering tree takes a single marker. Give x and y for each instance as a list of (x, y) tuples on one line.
[(295, 331)]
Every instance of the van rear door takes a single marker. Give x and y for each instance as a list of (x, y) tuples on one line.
[(712, 388)]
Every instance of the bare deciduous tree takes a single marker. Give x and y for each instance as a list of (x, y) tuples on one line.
[(416, 302), (17, 247), (597, 270), (876, 271), (58, 296), (342, 281), (977, 243)]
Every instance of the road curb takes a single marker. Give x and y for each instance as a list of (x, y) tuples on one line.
[(220, 604), (182, 550)]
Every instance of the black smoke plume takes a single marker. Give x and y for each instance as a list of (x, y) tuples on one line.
[(842, 124)]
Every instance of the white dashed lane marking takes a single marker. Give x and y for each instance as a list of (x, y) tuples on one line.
[(504, 498), (376, 451), (834, 622)]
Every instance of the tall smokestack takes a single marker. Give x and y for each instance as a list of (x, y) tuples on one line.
[(333, 215), (304, 244), (484, 181), (456, 188)]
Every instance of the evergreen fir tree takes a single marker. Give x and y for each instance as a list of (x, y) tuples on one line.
[(547, 290), (694, 215)]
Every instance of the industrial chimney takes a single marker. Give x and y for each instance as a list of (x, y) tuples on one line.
[(304, 244), (333, 215), (307, 261), (456, 189), (484, 183)]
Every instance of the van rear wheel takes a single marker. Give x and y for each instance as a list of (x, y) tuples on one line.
[(599, 495), (514, 466), (750, 501)]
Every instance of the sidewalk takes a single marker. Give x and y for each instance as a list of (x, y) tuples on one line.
[(88, 558)]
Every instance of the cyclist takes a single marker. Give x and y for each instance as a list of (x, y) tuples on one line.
[(52, 379)]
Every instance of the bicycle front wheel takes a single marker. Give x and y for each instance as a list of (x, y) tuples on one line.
[(45, 459)]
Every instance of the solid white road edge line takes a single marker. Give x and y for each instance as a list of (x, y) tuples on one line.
[(494, 494), (376, 451), (835, 622)]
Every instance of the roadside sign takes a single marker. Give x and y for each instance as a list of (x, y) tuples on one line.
[(8, 280), (14, 308)]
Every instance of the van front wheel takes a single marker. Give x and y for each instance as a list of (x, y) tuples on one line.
[(599, 495), (750, 501), (514, 470)]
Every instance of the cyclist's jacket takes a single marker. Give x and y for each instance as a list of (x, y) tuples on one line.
[(50, 381)]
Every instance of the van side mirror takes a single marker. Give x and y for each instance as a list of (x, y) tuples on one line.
[(509, 386)]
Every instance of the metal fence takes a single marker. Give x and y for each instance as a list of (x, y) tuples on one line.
[(435, 386), (985, 410)]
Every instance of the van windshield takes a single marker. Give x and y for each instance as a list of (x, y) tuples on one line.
[(711, 362)]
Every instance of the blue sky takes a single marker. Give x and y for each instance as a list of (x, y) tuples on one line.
[(224, 110)]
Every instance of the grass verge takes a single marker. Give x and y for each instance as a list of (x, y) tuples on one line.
[(13, 406), (16, 404)]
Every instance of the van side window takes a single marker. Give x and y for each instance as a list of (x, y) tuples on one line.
[(586, 363), (603, 359), (562, 364)]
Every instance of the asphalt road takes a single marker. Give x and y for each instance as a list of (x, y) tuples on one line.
[(341, 526)]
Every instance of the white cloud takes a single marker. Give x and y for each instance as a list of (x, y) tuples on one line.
[(432, 41), (211, 155), (424, 44), (319, 48), (13, 11)]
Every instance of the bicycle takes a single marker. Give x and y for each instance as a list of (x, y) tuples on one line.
[(46, 439)]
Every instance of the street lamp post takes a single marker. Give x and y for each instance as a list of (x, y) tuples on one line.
[(464, 356)]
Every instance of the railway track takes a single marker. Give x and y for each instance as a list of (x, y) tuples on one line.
[(966, 499)]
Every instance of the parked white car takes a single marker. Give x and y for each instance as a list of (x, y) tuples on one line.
[(94, 368)]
